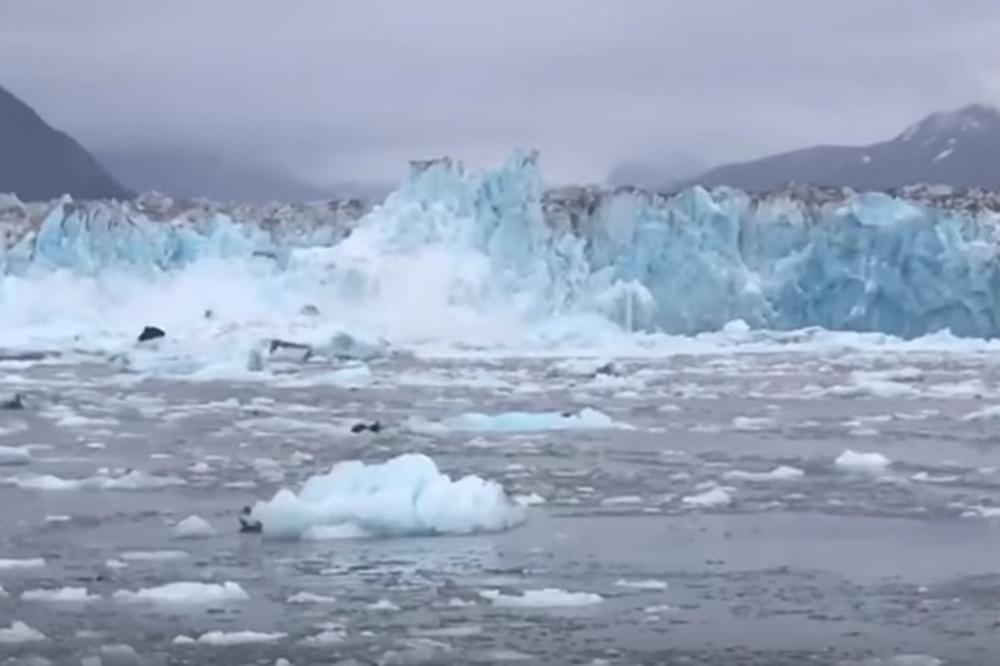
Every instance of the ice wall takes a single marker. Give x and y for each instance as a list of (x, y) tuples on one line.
[(493, 253)]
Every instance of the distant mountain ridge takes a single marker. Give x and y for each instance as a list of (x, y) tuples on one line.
[(38, 162), (192, 175), (960, 148)]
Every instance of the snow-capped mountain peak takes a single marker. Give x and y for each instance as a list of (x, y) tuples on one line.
[(968, 120), (958, 148)]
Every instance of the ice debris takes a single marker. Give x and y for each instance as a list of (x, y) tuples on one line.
[(406, 495), (19, 632)]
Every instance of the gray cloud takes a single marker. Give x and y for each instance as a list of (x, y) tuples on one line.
[(350, 91)]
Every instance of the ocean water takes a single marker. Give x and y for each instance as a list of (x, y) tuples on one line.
[(615, 562)]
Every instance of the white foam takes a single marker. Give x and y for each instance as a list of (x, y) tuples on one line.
[(406, 495), (854, 461), (192, 593), (544, 598), (193, 527), (18, 633), (383, 605)]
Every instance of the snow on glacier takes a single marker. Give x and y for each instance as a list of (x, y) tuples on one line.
[(493, 258), (406, 495)]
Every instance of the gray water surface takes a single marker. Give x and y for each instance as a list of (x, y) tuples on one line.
[(836, 567)]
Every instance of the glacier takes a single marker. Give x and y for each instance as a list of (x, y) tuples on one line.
[(493, 257)]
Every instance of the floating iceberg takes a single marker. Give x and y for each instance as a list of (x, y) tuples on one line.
[(406, 495), (62, 595), (184, 593), (868, 463), (193, 527), (585, 419), (495, 259), (231, 638), (549, 597)]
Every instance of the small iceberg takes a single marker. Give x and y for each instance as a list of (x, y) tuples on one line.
[(862, 463), (585, 419), (405, 496)]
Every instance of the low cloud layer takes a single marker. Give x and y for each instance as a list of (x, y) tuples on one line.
[(349, 91)]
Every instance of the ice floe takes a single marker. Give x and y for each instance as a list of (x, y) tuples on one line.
[(153, 555), (29, 563), (854, 461), (780, 473), (62, 595), (585, 419), (19, 632), (104, 480), (193, 593), (231, 638), (310, 598), (549, 597), (713, 497), (644, 584), (14, 455)]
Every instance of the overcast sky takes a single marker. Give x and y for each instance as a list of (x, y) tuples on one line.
[(351, 90)]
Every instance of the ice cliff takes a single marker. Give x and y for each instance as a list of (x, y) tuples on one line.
[(458, 245)]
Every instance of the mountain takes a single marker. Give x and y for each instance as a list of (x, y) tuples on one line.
[(191, 175), (959, 148), (38, 162)]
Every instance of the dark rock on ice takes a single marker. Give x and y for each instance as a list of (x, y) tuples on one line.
[(288, 350), (16, 402), (249, 524), (151, 333), (358, 428), (309, 310), (346, 347), (610, 369)]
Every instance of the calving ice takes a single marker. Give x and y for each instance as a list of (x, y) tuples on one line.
[(494, 258)]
